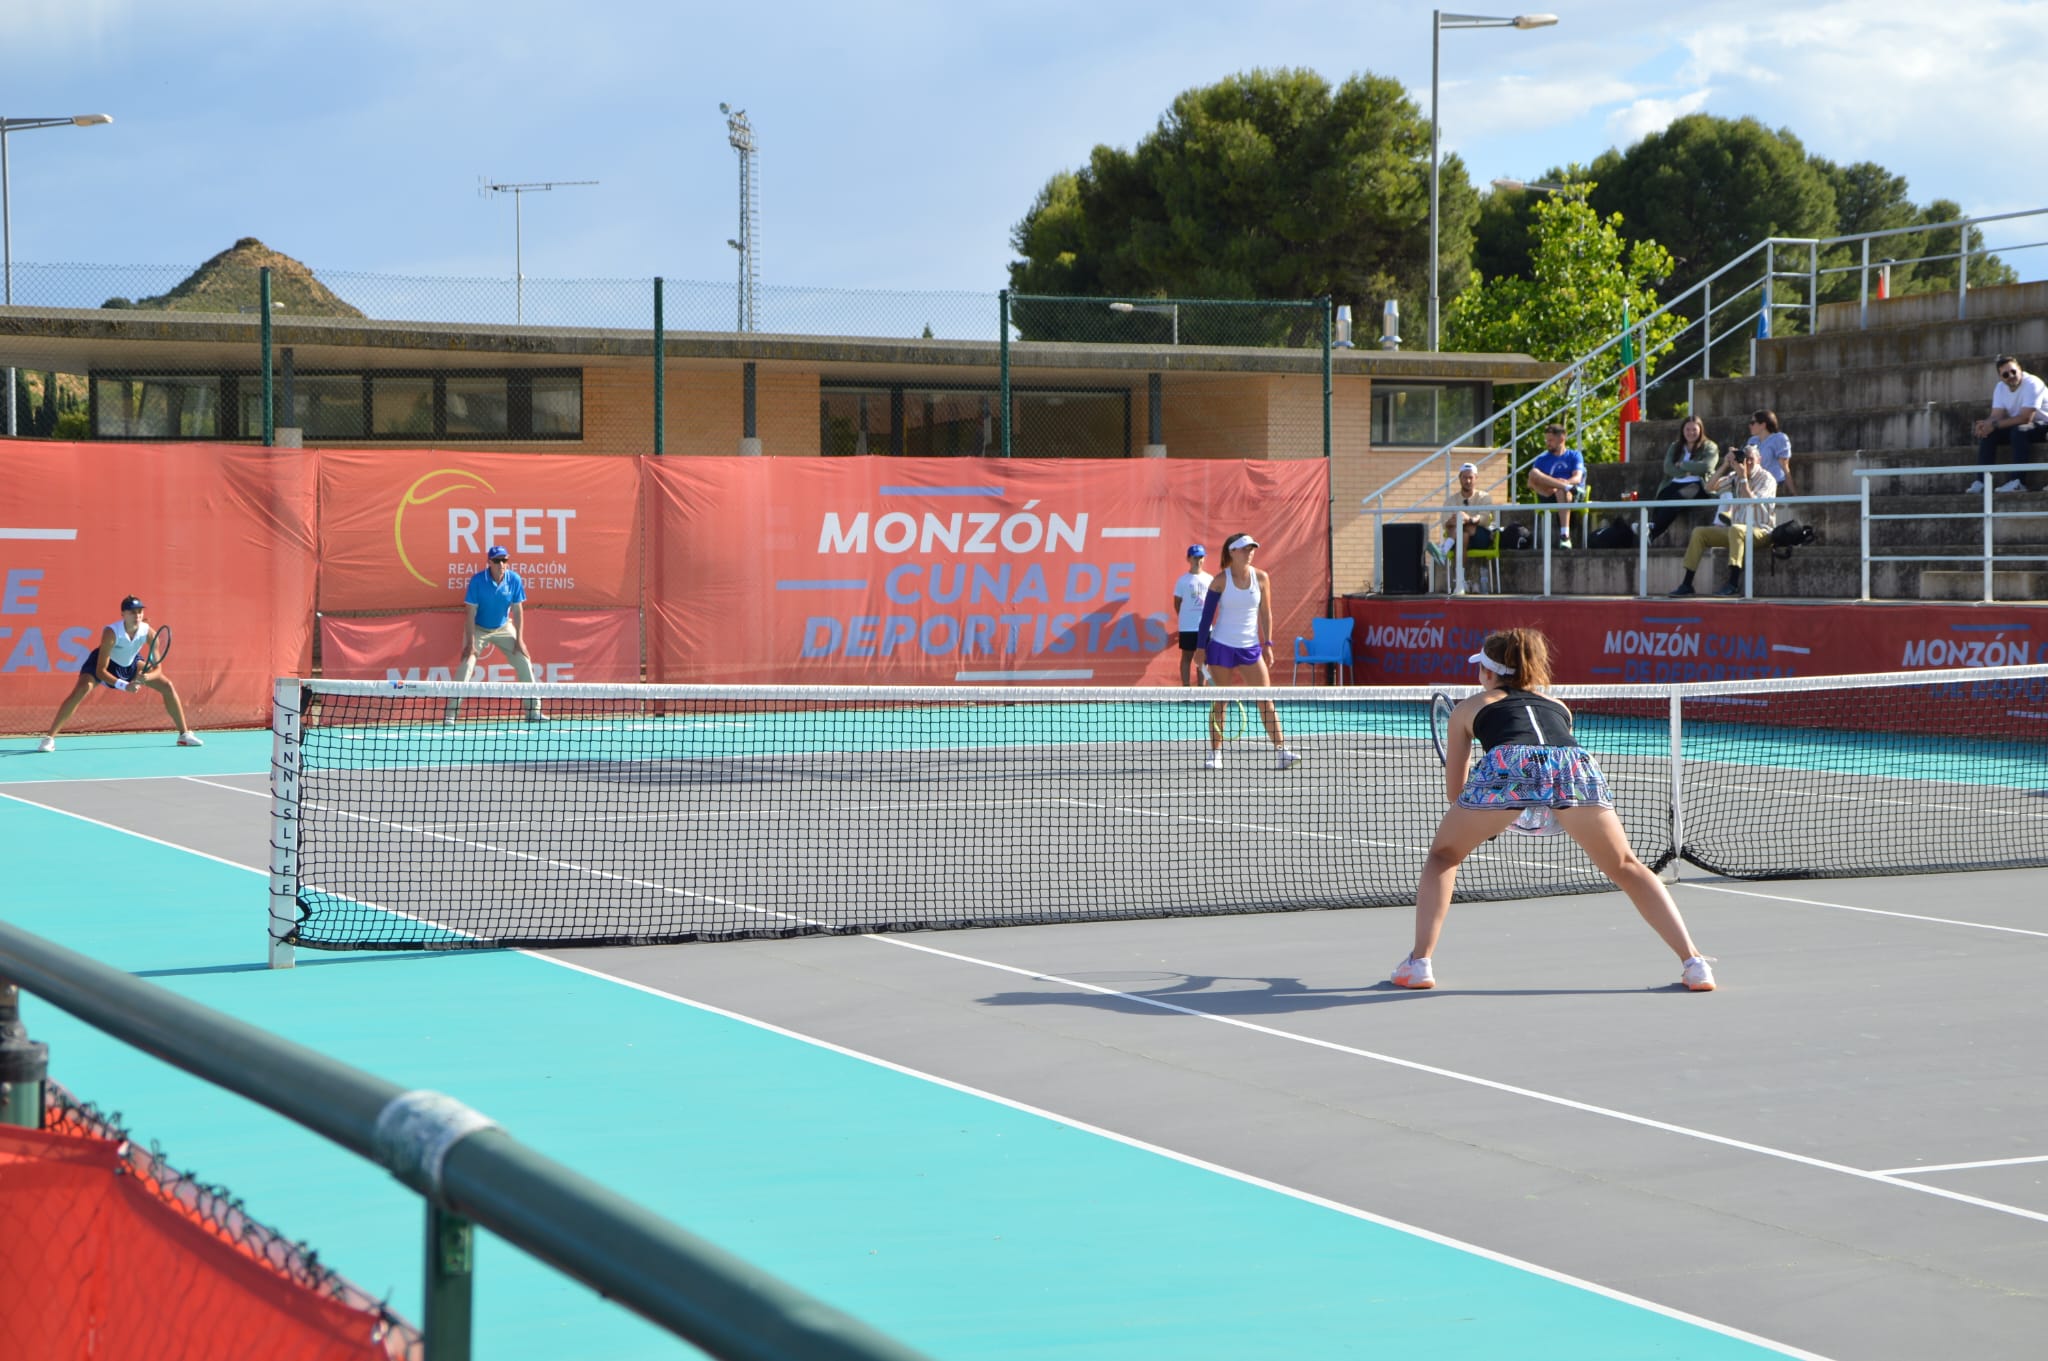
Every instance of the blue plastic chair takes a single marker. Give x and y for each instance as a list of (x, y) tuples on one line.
[(1328, 644)]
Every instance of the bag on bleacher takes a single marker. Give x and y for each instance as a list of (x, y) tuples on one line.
[(1516, 536), (1787, 535), (1614, 534)]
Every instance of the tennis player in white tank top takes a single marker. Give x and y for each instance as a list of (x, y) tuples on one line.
[(117, 664), (1236, 639)]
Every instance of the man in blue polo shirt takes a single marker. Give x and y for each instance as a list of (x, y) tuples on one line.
[(496, 607), (1556, 475)]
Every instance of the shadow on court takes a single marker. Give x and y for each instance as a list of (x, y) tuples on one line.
[(1209, 995)]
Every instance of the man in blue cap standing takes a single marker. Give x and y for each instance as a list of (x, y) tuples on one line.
[(1188, 594), (496, 606)]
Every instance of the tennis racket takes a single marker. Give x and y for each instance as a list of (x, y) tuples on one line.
[(159, 648)]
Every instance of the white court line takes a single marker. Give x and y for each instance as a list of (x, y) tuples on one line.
[(1962, 1167), (1528, 1093), (1868, 911), (1200, 1164)]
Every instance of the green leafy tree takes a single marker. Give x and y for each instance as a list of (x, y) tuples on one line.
[(1708, 188), (1583, 274), (1269, 184)]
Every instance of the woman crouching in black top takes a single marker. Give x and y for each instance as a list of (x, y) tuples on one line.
[(1531, 761)]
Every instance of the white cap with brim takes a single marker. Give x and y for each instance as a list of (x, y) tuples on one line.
[(1241, 541)]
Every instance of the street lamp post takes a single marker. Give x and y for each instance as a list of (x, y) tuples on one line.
[(1168, 309), (519, 232), (1439, 21), (7, 125)]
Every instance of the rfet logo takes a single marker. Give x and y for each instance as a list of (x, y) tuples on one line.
[(407, 529), (537, 536)]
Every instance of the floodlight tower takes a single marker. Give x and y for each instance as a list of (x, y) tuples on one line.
[(486, 186), (740, 133)]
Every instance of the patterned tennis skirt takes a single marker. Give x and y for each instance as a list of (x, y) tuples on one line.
[(1515, 776)]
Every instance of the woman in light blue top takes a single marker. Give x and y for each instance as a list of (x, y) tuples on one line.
[(1773, 449)]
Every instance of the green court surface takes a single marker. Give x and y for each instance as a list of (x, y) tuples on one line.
[(967, 1226)]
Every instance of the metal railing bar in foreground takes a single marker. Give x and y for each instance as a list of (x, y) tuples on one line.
[(468, 1169)]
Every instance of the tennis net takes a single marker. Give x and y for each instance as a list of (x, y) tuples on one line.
[(645, 814)]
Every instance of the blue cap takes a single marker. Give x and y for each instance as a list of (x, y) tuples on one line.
[(130, 602), (497, 554), (1196, 550)]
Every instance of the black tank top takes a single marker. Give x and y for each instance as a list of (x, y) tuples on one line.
[(1525, 718)]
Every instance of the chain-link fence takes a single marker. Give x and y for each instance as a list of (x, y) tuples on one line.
[(634, 366)]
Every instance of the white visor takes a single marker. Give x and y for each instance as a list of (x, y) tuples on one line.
[(1490, 664)]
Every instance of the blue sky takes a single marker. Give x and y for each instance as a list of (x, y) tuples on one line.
[(900, 139)]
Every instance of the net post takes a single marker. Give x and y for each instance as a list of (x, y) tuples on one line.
[(451, 1254), (1670, 872), (287, 700), (24, 1064)]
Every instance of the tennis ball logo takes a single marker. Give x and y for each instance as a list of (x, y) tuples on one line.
[(428, 488)]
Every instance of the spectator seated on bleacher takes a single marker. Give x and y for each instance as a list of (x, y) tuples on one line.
[(1556, 474), (1476, 526), (2019, 417), (1687, 463), (1740, 475)]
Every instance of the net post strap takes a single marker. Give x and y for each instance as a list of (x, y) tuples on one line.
[(287, 701)]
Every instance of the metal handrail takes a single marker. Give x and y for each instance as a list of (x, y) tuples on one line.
[(1641, 508), (1811, 275), (1987, 553), (468, 1170)]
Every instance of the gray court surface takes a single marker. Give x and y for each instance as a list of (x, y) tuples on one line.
[(1842, 1150)]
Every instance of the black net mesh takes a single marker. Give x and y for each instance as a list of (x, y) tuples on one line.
[(641, 814)]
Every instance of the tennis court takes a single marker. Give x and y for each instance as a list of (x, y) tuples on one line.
[(1197, 1136)]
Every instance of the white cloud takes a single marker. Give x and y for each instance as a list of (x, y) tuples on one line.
[(1632, 123)]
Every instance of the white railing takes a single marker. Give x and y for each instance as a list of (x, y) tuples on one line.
[(1987, 512), (1546, 541), (1594, 379)]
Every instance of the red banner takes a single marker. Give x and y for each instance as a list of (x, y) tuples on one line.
[(94, 1263), (599, 646), (1626, 642), (218, 542), (402, 529), (891, 570)]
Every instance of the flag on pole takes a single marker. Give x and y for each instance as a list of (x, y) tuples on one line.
[(1631, 405)]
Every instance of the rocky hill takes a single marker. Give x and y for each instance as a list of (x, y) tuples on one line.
[(230, 282)]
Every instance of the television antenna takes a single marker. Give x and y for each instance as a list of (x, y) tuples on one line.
[(485, 186)]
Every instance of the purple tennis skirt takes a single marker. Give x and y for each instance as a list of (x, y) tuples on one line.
[(1222, 654), (1515, 776)]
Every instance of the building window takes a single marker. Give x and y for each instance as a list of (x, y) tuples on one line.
[(157, 406), (964, 422), (1424, 414), (398, 406)]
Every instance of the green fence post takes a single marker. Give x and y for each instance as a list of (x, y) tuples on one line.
[(1003, 363), (451, 1253), (1329, 367), (23, 1064), (660, 384), (269, 396)]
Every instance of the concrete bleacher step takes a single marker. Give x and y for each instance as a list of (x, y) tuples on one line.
[(1968, 380), (1938, 426), (1978, 339), (2012, 585)]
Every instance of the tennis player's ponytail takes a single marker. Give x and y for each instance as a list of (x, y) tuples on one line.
[(1526, 652)]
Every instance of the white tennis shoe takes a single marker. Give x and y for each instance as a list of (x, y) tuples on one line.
[(2012, 484), (1413, 973), (1287, 758), (1699, 973), (47, 744), (1978, 485), (1213, 761), (189, 739)]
